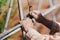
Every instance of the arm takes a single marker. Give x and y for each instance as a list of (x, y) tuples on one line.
[(34, 35), (53, 26), (31, 33)]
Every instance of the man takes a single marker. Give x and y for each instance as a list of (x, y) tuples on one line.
[(33, 34)]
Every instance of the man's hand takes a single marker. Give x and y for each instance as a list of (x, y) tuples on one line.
[(53, 26), (27, 23), (35, 13)]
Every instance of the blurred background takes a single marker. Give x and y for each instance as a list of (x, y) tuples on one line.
[(14, 19)]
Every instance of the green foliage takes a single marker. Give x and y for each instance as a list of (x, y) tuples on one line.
[(1, 25), (4, 16), (2, 2), (13, 8), (0, 11), (2, 21), (6, 11)]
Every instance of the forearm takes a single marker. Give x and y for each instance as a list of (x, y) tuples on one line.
[(34, 35), (53, 26)]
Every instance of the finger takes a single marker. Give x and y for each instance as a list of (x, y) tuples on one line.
[(34, 15), (36, 12)]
